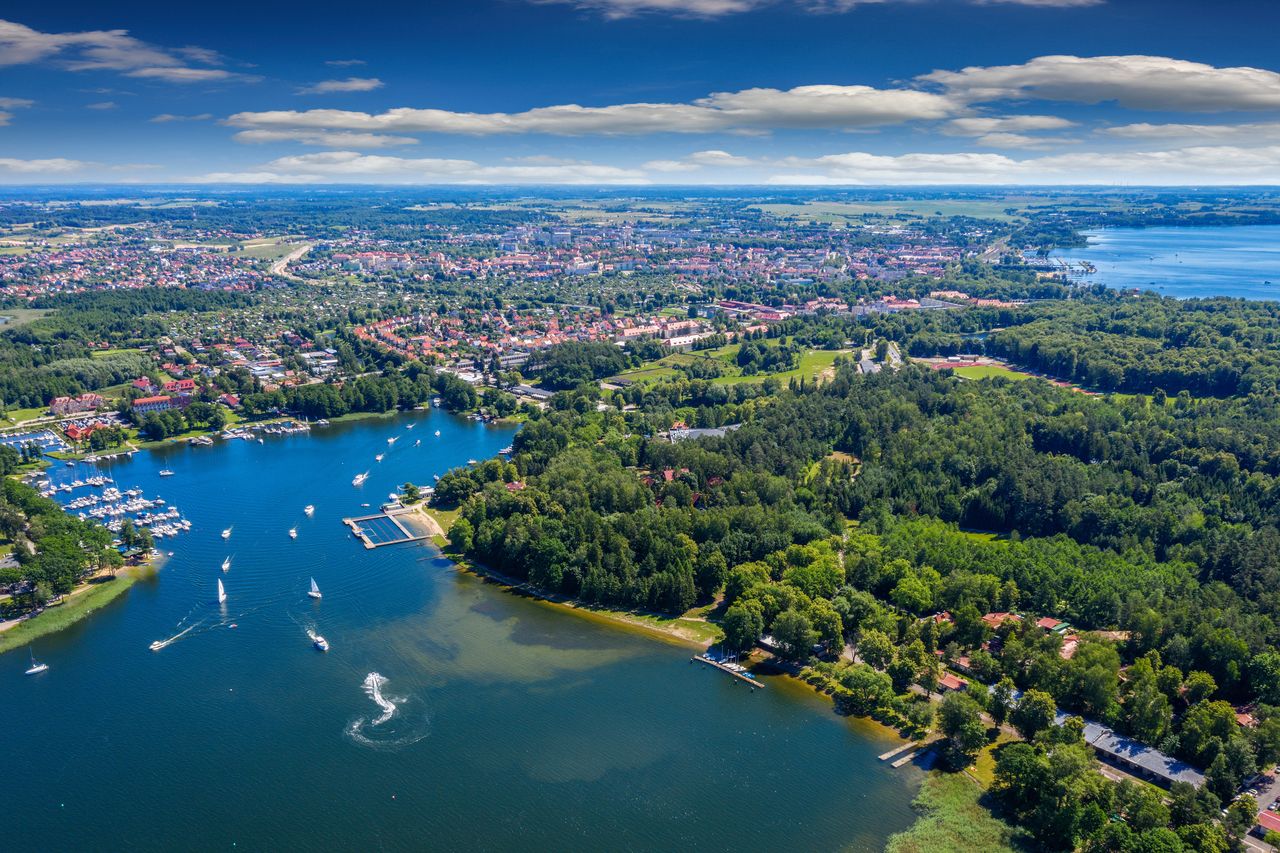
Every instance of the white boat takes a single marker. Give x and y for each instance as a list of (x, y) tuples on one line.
[(320, 643), (360, 478), (410, 426), (395, 496), (226, 534), (36, 667), (472, 462), (293, 533), (315, 590), (378, 458), (418, 442), (393, 439), (437, 433), (309, 510), (222, 592), (165, 472), (157, 645), (226, 564)]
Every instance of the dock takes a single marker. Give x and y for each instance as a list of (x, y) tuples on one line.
[(720, 666), (891, 753), (383, 528)]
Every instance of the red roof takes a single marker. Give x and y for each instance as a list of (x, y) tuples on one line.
[(952, 682), (1269, 820), (142, 401), (1048, 623)]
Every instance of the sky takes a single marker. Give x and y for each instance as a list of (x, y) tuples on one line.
[(632, 92)]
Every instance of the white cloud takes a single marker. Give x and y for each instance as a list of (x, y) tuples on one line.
[(56, 165), (102, 105), (351, 166), (165, 118), (616, 9), (15, 103), (1259, 132), (750, 110), (698, 160), (351, 84), (1138, 82), (982, 125), (1193, 165), (329, 139), (109, 50), (344, 63)]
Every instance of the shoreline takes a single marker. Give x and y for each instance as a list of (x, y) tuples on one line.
[(79, 604)]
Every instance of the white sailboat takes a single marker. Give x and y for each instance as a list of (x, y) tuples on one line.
[(378, 458), (226, 534), (360, 478), (417, 442), (226, 564), (309, 510), (293, 533), (36, 667), (315, 590), (393, 439), (222, 592)]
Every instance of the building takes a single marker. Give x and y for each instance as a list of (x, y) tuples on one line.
[(60, 406), (1139, 759), (147, 405)]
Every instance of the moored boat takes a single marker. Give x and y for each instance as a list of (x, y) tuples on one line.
[(36, 667)]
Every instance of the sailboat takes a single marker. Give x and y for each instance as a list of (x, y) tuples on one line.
[(226, 564), (418, 442), (165, 472), (360, 478), (293, 533), (378, 458), (222, 592), (315, 590), (36, 667), (411, 426), (309, 510), (393, 439), (226, 534)]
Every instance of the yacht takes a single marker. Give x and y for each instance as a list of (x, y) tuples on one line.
[(320, 643), (165, 472), (293, 533), (226, 564), (309, 510), (315, 590), (360, 478), (36, 667), (226, 534), (378, 458)]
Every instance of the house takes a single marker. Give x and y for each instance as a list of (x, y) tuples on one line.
[(1052, 626), (231, 401), (180, 386), (80, 433), (998, 618), (145, 385), (147, 405), (952, 682)]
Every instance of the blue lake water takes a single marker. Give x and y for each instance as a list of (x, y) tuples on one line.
[(448, 714), (1186, 262)]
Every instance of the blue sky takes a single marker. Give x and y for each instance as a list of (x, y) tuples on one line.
[(840, 92)]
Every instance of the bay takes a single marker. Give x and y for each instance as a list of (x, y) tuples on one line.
[(514, 725), (1240, 261)]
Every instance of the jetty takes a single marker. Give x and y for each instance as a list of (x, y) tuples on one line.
[(723, 667), (383, 528)]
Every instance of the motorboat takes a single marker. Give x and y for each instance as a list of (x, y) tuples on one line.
[(320, 643), (226, 534), (309, 510), (165, 472), (293, 533)]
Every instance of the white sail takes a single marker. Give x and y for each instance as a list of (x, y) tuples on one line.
[(222, 592), (226, 564)]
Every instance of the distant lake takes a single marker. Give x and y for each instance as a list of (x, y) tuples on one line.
[(449, 715), (1186, 262)]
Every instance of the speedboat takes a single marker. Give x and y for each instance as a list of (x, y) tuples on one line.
[(36, 667), (226, 564), (315, 590), (156, 646), (293, 533), (418, 442), (165, 472), (437, 433), (320, 643), (393, 439), (410, 426), (378, 458), (226, 534), (360, 478), (309, 510)]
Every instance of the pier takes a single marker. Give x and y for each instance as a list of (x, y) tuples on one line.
[(383, 528), (741, 676)]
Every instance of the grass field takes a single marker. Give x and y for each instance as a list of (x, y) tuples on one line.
[(109, 353), (953, 818), (272, 251), (15, 317), (17, 416), (988, 371), (813, 364)]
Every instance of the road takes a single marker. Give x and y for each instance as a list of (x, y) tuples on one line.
[(281, 266)]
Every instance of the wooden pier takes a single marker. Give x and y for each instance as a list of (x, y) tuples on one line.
[(718, 665), (357, 527)]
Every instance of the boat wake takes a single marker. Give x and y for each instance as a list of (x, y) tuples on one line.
[(162, 644), (398, 724)]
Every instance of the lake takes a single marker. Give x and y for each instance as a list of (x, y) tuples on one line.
[(448, 714), (1186, 262)]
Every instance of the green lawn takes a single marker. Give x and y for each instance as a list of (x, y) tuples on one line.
[(17, 416), (988, 371), (813, 363), (71, 611), (269, 251), (114, 351)]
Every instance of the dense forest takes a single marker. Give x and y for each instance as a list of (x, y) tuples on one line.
[(1148, 523)]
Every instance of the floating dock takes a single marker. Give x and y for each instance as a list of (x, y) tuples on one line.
[(383, 528), (720, 666)]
